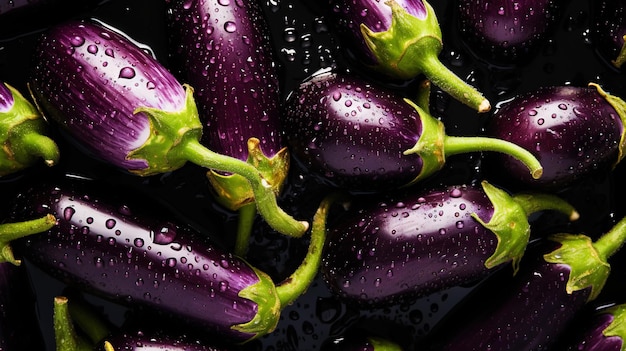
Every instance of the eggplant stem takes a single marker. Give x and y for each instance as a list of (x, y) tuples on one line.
[(36, 144), (299, 281), (537, 202), (64, 332), (247, 214), (457, 145), (17, 230), (611, 241), (264, 196)]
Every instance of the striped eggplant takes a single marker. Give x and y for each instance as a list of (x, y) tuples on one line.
[(557, 278), (419, 242), (223, 50), (22, 133), (362, 137), (125, 108), (604, 331), (402, 39), (572, 131), (113, 243), (608, 30)]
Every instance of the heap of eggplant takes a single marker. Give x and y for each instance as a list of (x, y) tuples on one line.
[(312, 175)]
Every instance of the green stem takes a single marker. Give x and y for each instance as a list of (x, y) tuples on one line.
[(88, 320), (35, 144), (247, 214), (64, 332), (17, 230), (536, 202), (456, 145), (611, 241), (621, 57), (297, 283), (264, 196), (448, 81)]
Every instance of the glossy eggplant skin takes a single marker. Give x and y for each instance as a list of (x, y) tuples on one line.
[(149, 341), (505, 32), (604, 331), (132, 253), (573, 131), (608, 28), (19, 328)]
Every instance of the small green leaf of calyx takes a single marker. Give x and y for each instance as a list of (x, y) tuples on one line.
[(588, 269), (617, 327), (169, 131)]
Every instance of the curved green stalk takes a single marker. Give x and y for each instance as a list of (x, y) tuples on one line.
[(64, 332), (247, 214), (13, 231)]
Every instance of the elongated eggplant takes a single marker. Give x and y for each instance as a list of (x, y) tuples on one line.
[(608, 30), (603, 332), (133, 253), (124, 107), (421, 242), (506, 32), (223, 50), (22, 133), (557, 278), (362, 137), (402, 39), (572, 131)]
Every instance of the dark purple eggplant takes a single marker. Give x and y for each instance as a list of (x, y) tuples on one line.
[(604, 331), (360, 342), (364, 138), (402, 39), (22, 133), (572, 131), (557, 278), (420, 242), (608, 30), (135, 254), (506, 32), (223, 50), (19, 329), (125, 108)]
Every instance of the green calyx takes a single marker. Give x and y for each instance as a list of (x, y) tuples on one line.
[(617, 327), (380, 344), (588, 268), (263, 293), (509, 223), (233, 190), (169, 132), (399, 49), (22, 137), (621, 57), (13, 231), (620, 107)]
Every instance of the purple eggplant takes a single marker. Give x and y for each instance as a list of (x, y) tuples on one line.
[(572, 131), (417, 243), (125, 108), (506, 32), (22, 133), (557, 278), (223, 50), (608, 30), (364, 138), (402, 39), (604, 331), (135, 254)]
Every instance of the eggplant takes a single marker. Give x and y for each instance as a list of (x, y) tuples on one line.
[(604, 331), (122, 106), (608, 30), (420, 242), (223, 50), (507, 32), (557, 278), (402, 40), (362, 137), (22, 133), (573, 131), (138, 255)]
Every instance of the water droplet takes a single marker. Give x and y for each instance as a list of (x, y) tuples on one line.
[(68, 213), (127, 73), (109, 52), (230, 26), (77, 41), (139, 242), (110, 223)]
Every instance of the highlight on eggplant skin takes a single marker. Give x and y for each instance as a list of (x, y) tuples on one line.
[(118, 248), (603, 331)]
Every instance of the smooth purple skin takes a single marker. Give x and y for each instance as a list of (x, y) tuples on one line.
[(90, 79), (6, 98), (376, 15), (422, 243), (146, 341), (19, 328), (222, 49), (572, 131), (593, 339), (526, 313), (608, 27), (113, 249), (351, 134), (506, 31)]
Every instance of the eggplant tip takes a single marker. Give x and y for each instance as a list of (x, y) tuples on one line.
[(537, 173), (574, 216), (484, 106)]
